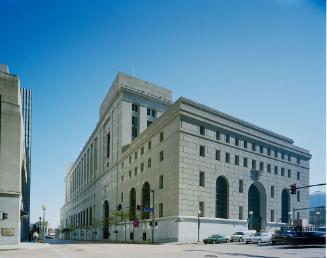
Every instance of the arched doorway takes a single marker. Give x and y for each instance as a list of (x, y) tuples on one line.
[(257, 207), (106, 220), (132, 204), (145, 200), (221, 198), (285, 205)]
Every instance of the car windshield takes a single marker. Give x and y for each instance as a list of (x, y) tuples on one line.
[(257, 234)]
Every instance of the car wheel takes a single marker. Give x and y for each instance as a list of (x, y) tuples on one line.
[(273, 242), (246, 242), (259, 242)]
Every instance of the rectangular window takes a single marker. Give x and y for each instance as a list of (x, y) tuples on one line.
[(253, 146), (227, 138), (134, 107), (245, 162), (261, 149), (148, 111), (121, 197), (135, 171), (276, 154), (245, 144), (161, 137), (161, 182), (237, 160), (240, 212), (240, 186), (201, 209), (134, 127), (202, 130), (269, 168), (298, 215), (269, 151), (135, 155), (202, 179), (227, 157), (161, 156), (130, 173), (298, 175), (217, 154), (153, 113), (282, 171), (160, 210), (130, 159), (276, 170), (108, 144), (202, 151), (298, 160), (237, 142), (272, 191), (289, 157), (122, 178), (148, 123), (254, 164), (149, 145), (142, 167), (272, 216), (149, 163), (298, 197), (289, 173), (142, 150), (217, 135), (283, 155), (261, 166)]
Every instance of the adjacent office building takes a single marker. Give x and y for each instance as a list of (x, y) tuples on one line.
[(13, 162), (150, 161), (26, 97)]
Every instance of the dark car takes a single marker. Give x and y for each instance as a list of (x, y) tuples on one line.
[(213, 239), (283, 235), (308, 238)]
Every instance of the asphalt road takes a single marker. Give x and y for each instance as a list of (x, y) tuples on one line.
[(68, 249)]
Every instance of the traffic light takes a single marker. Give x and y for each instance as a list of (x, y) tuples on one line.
[(293, 188), (119, 207), (138, 207)]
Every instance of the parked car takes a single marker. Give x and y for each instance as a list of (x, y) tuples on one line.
[(239, 236), (252, 238), (283, 235), (265, 238), (213, 239)]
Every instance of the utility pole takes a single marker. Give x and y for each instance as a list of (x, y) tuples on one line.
[(43, 208)]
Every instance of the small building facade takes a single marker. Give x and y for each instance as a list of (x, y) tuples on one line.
[(172, 165)]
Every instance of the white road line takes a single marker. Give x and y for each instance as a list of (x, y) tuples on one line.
[(58, 252)]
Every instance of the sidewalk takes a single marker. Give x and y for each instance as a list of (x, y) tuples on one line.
[(27, 245)]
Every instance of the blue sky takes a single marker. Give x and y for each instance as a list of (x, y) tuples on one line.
[(261, 61)]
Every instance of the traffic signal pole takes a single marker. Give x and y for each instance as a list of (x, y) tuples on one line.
[(152, 216)]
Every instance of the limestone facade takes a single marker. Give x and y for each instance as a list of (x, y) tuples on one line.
[(145, 146)]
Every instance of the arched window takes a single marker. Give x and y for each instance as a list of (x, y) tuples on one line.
[(221, 198), (146, 200), (106, 220), (132, 204), (285, 205)]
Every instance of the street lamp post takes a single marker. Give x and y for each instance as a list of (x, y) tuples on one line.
[(290, 217), (250, 214), (199, 213), (318, 218), (43, 208), (152, 191)]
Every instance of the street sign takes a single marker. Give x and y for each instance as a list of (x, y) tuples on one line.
[(148, 209)]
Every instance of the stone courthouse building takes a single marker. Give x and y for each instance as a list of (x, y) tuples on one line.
[(178, 161)]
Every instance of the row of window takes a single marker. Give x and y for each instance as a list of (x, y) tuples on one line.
[(269, 151), (240, 188), (149, 111), (253, 164)]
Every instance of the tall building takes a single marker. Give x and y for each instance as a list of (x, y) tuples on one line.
[(26, 96), (151, 159), (13, 164)]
